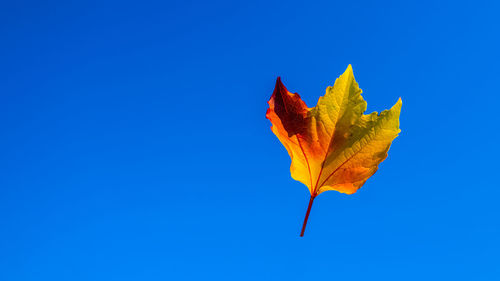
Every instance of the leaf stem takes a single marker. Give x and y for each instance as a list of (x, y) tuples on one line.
[(307, 216)]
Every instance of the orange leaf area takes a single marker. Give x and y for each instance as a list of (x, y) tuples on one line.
[(334, 145)]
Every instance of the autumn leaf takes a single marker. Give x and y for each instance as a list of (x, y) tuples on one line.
[(333, 146)]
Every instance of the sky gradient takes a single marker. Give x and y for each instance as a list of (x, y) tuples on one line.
[(134, 143)]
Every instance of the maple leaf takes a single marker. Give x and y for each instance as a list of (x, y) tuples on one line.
[(333, 146)]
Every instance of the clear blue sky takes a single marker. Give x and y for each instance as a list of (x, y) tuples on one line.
[(134, 143)]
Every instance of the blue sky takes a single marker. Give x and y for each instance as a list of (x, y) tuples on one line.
[(135, 144)]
